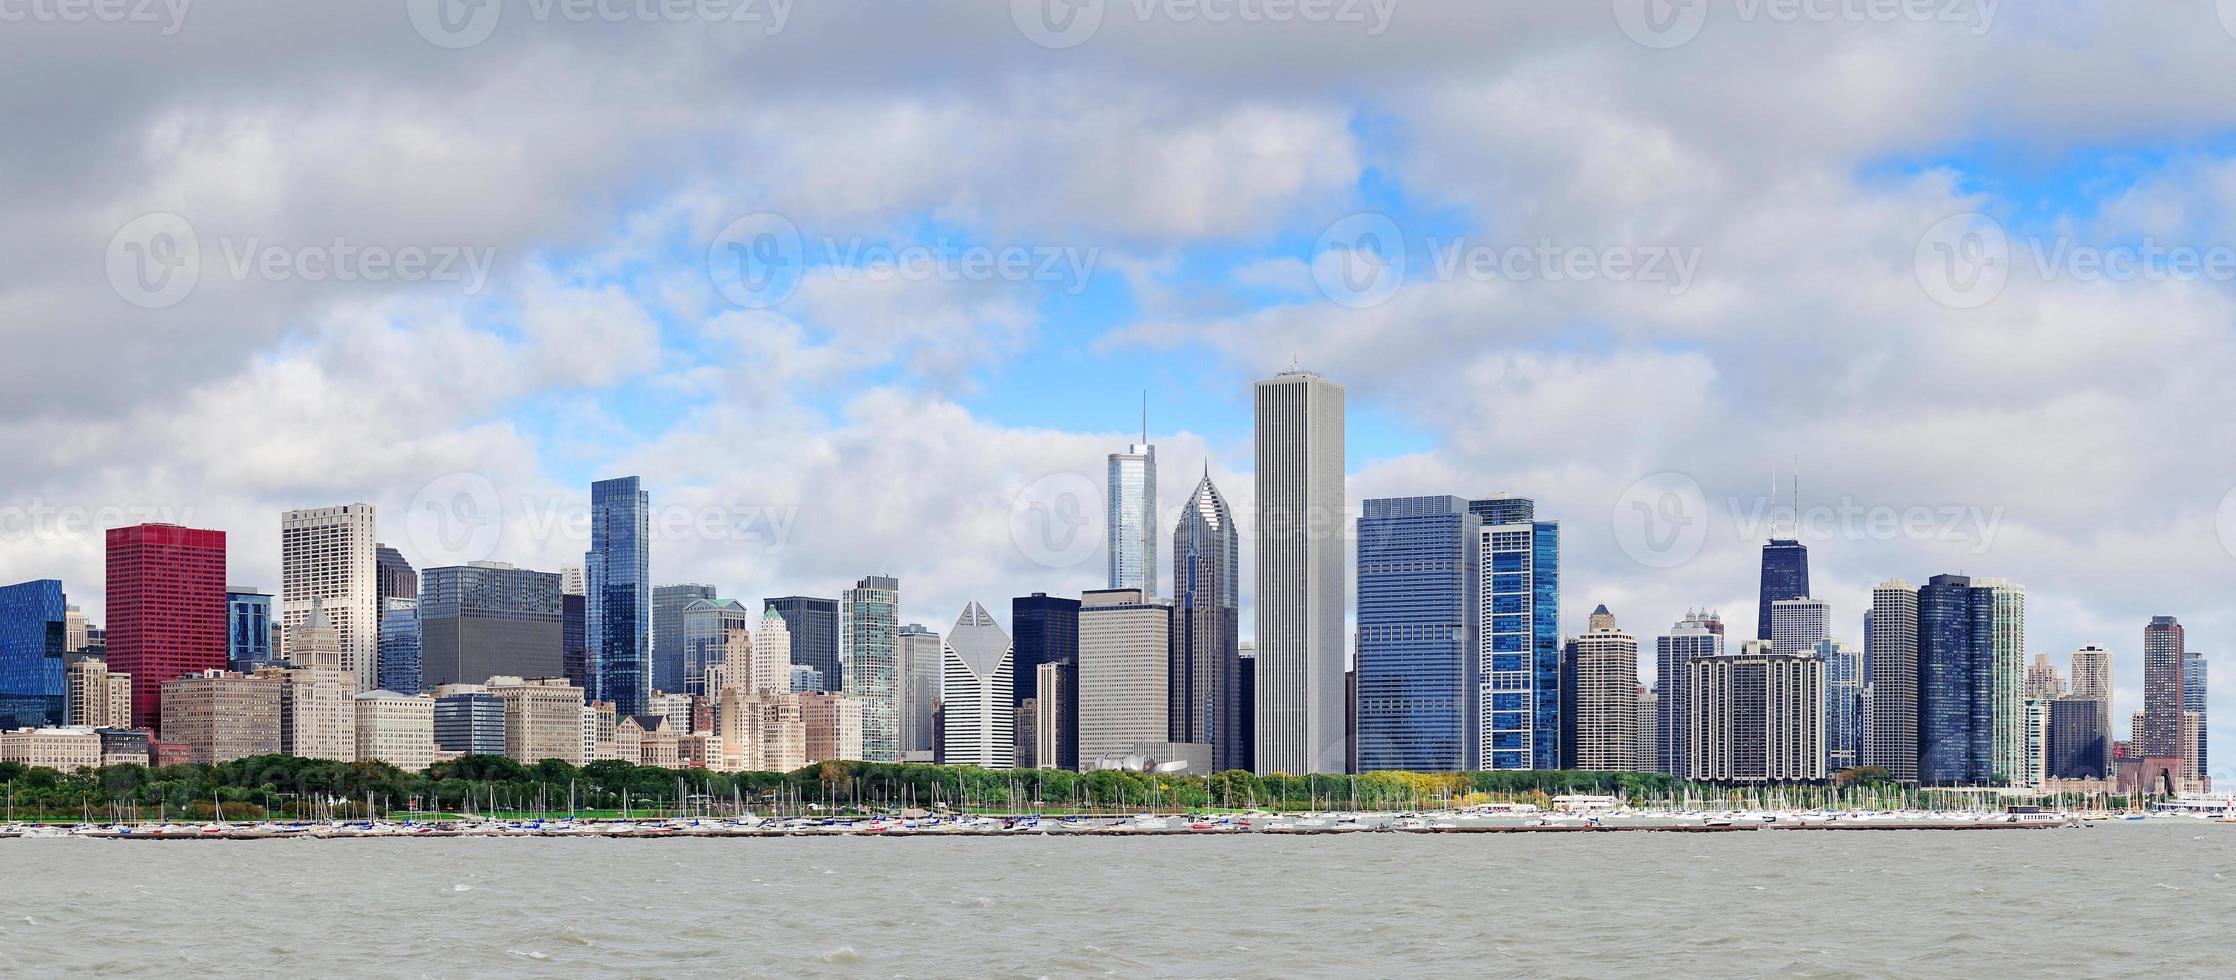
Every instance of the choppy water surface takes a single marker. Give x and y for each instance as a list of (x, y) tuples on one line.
[(2158, 898)]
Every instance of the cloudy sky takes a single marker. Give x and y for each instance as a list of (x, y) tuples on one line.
[(872, 288)]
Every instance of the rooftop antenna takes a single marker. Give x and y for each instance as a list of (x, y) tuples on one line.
[(1796, 495), (1144, 416)]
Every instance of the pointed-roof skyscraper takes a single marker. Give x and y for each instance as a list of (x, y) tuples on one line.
[(1206, 658)]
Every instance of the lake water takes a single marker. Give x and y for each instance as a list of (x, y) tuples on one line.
[(2156, 898)]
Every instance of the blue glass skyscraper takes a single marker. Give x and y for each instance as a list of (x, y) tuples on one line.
[(1419, 666), (248, 630), (400, 663), (1785, 575), (34, 629), (1955, 676), (619, 572), (1520, 636)]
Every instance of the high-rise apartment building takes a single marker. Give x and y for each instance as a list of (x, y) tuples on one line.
[(97, 698), (1132, 518), (1418, 667), (1206, 627), (34, 639), (488, 619), (869, 622), (2163, 649), (2080, 744), (772, 654), (1999, 626), (1301, 708), (1756, 717), (1125, 676), (1955, 693), (1519, 626), (618, 567), (669, 673), (166, 609), (543, 719), (1055, 725), (2092, 680), (2043, 680), (1844, 694), (328, 558), (1698, 635), (815, 633), (2193, 702), (1785, 575), (976, 695), (1604, 666)]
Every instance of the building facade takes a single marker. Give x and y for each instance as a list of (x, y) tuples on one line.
[(166, 609), (1418, 669), (2163, 687), (1756, 717), (704, 628), (396, 728), (919, 652), (34, 639), (1206, 627), (1301, 571), (1844, 696), (976, 693), (1132, 518), (815, 632), (1700, 634), (1798, 625), (1785, 575), (1125, 672), (1604, 666), (96, 697), (1044, 629), (328, 557), (469, 720), (400, 663), (489, 619), (669, 673), (220, 716), (618, 569), (543, 719), (249, 629), (1520, 636), (869, 624)]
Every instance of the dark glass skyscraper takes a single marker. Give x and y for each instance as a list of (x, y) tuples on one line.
[(393, 577), (1956, 722), (574, 639), (1046, 631), (1206, 624), (34, 629), (2163, 682), (618, 569), (667, 633), (1785, 575), (1418, 665), (487, 619), (815, 633), (248, 630)]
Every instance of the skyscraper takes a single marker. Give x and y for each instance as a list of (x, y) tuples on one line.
[(1206, 627), (1999, 629), (703, 633), (919, 652), (393, 577), (34, 632), (1125, 672), (2092, 679), (869, 619), (1132, 517), (328, 558), (1956, 695), (1798, 625), (772, 655), (1785, 575), (976, 697), (1698, 635), (1890, 712), (1046, 630), (1756, 716), (1605, 667), (1301, 575), (1519, 625), (166, 603), (1844, 687), (815, 632), (2163, 650), (248, 629), (1419, 568), (2080, 746), (667, 633), (574, 636), (401, 669), (489, 619), (2193, 701), (619, 571), (2042, 679)]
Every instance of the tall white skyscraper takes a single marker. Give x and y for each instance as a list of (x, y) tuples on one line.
[(976, 686), (772, 655), (1798, 625), (1125, 672), (869, 659), (327, 558), (1301, 575), (1132, 518)]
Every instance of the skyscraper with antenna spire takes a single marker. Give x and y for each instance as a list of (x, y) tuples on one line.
[(1785, 563), (1131, 520)]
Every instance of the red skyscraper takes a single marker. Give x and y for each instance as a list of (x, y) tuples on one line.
[(166, 609)]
